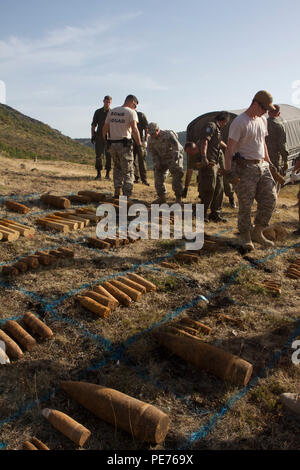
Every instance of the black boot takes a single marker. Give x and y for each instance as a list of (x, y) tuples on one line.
[(98, 177), (232, 202), (107, 175)]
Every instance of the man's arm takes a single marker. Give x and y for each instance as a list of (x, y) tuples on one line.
[(230, 151), (105, 130), (135, 133)]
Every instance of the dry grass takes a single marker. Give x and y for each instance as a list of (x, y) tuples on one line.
[(121, 351)]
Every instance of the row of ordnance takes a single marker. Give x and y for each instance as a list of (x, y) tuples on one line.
[(15, 332), (122, 290), (34, 261)]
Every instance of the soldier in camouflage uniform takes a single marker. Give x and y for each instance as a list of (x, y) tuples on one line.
[(121, 125), (276, 143), (98, 139), (211, 188), (251, 168), (167, 155), (295, 171)]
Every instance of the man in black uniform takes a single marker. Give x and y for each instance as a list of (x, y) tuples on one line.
[(140, 169), (211, 188), (97, 138)]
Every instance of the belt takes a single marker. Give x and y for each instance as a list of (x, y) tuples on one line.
[(119, 141), (247, 160)]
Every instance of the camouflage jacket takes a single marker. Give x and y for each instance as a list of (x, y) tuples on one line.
[(165, 147), (276, 142)]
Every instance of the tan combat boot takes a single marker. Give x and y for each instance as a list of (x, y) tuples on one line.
[(160, 200), (258, 236), (291, 401), (245, 241)]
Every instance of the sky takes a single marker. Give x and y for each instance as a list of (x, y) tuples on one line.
[(181, 59)]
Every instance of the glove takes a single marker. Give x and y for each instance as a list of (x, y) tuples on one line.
[(276, 176), (184, 193), (93, 138), (232, 177)]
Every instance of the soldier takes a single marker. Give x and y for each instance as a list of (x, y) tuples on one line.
[(294, 177), (140, 157), (97, 138), (193, 163), (167, 155), (276, 143), (121, 125), (211, 188), (247, 142), (228, 188)]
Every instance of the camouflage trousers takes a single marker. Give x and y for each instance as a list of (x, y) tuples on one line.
[(101, 152), (123, 167), (256, 182), (161, 171)]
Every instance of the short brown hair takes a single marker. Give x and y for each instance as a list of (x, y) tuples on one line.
[(107, 97), (132, 98)]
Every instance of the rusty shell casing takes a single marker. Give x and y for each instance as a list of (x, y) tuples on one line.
[(21, 335), (12, 349), (205, 356), (140, 419), (32, 261), (123, 298), (21, 266), (39, 444), (38, 326), (56, 201), (29, 446), (101, 299), (144, 282), (132, 293), (17, 207), (93, 306), (67, 426), (102, 291), (132, 284)]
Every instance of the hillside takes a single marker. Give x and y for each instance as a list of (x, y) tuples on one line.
[(24, 137)]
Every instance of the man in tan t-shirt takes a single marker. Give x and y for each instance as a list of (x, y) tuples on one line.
[(120, 126)]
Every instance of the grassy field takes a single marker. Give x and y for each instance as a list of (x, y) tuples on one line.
[(121, 351)]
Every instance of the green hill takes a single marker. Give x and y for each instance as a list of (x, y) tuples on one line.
[(24, 137)]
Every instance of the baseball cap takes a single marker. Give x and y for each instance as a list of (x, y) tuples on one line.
[(265, 99), (152, 128)]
